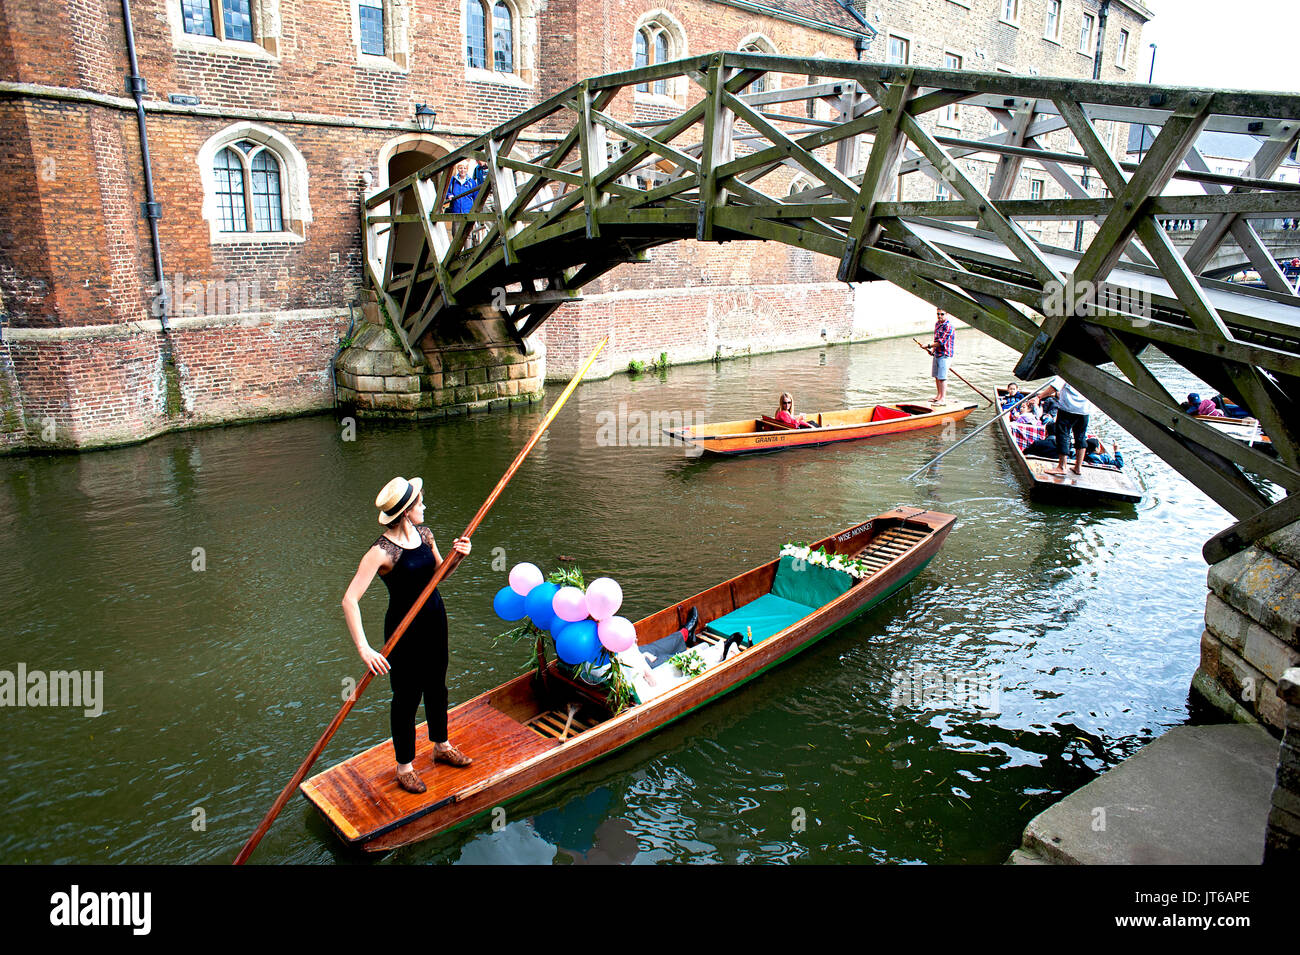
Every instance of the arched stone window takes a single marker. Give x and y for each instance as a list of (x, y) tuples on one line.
[(757, 43), (659, 38), (254, 186), (492, 35)]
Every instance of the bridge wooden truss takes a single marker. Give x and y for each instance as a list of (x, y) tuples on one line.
[(599, 173)]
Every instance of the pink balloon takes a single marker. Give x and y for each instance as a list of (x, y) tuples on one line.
[(570, 603), (616, 634), (524, 577), (604, 597)]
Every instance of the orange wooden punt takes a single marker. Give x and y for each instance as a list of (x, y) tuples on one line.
[(1097, 483), (516, 732), (752, 435)]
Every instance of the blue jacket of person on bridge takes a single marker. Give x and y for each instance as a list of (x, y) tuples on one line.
[(461, 191)]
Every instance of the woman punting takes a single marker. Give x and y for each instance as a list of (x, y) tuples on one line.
[(405, 556)]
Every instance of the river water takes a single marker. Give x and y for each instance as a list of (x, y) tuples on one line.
[(201, 574)]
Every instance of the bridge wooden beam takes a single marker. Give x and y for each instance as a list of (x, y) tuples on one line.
[(1118, 229), (878, 179), (718, 126)]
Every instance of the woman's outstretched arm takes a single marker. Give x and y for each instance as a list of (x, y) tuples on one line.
[(375, 661)]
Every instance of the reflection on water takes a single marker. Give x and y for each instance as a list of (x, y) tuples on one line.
[(202, 572)]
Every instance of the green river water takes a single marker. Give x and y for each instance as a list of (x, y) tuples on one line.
[(1080, 627)]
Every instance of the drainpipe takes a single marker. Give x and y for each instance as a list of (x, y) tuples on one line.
[(152, 209), (861, 43), (1102, 14)]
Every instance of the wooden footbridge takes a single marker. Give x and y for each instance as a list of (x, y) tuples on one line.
[(594, 176)]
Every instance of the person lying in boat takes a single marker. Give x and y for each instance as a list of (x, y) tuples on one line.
[(785, 413), (1195, 405), (1044, 447), (1094, 455), (646, 656)]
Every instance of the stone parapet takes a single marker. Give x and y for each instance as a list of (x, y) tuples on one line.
[(1252, 630)]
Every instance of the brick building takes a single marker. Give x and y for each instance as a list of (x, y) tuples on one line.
[(266, 121)]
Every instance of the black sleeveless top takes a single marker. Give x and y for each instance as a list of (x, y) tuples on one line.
[(405, 581)]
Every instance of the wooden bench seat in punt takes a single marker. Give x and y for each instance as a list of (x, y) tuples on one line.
[(360, 796)]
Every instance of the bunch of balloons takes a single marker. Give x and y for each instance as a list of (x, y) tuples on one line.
[(583, 624)]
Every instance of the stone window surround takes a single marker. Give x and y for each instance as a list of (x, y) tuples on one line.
[(762, 44), (950, 116), (907, 47), (1122, 44), (663, 20), (266, 33), (295, 209), (523, 34), (397, 37), (1060, 18)]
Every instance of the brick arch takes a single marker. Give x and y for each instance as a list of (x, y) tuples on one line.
[(432, 146)]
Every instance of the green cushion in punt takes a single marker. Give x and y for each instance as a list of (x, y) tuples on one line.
[(796, 592), (809, 584), (765, 616)]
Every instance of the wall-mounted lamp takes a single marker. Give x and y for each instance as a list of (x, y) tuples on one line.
[(425, 116)]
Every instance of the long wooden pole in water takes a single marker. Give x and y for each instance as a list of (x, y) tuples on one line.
[(439, 575), (958, 374), (1007, 410)]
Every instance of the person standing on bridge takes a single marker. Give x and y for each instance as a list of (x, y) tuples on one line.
[(941, 351), (406, 556), (461, 190)]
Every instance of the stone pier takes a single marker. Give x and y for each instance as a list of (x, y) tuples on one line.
[(1252, 630), (474, 367)]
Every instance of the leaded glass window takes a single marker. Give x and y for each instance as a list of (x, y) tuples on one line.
[(237, 18), (372, 26), (503, 47), (197, 15), (230, 191), (476, 35)]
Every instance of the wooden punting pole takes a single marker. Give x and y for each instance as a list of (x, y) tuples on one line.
[(439, 574)]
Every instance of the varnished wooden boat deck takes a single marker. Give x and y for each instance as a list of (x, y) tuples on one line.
[(361, 798)]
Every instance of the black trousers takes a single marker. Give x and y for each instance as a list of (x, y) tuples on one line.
[(419, 670)]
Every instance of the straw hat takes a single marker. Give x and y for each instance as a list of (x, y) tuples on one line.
[(397, 496)]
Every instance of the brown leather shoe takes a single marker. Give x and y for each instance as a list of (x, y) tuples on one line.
[(411, 782), (451, 756)]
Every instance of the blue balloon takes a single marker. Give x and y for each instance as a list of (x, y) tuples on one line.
[(538, 605), (578, 642), (508, 605)]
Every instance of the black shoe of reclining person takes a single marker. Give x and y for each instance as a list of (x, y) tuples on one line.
[(736, 639), (692, 624)]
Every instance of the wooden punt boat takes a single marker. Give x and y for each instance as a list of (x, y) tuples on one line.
[(544, 724), (767, 434), (1097, 483), (1244, 431)]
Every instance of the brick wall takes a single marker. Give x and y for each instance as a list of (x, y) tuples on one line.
[(75, 254)]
